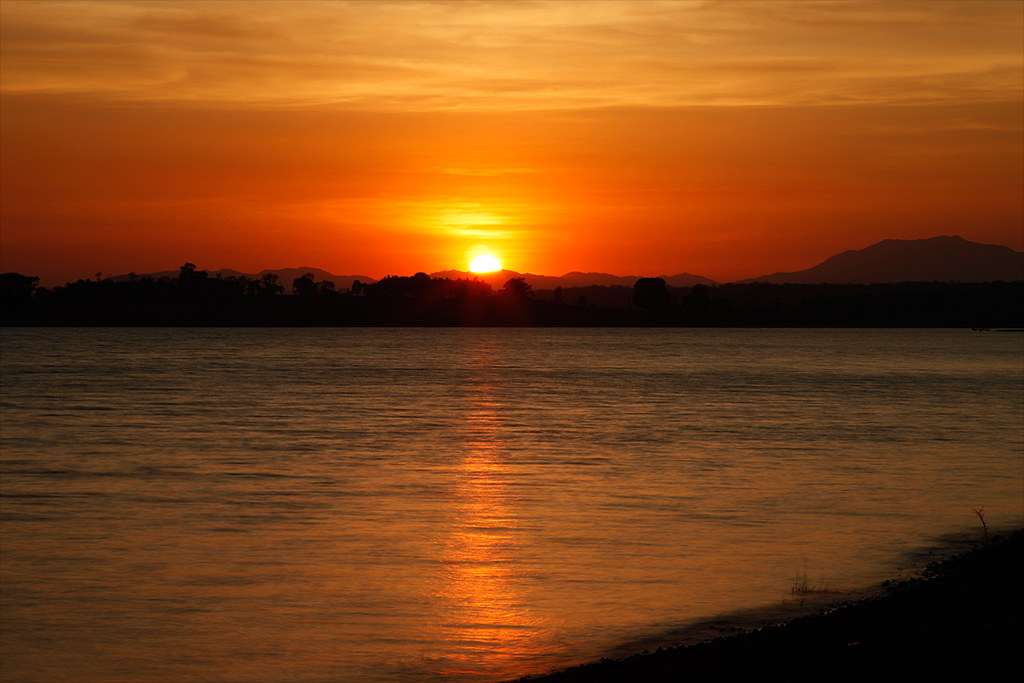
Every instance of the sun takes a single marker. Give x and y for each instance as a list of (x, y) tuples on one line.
[(484, 264)]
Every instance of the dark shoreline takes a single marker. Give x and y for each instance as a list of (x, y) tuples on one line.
[(963, 619), (195, 299)]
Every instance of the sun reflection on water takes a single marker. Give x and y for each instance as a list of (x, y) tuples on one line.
[(487, 624)]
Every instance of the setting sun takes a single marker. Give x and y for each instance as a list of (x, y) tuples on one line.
[(484, 264)]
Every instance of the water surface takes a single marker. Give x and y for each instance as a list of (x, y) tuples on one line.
[(466, 504)]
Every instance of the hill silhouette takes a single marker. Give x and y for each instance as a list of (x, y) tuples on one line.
[(937, 282), (572, 279), (495, 279), (936, 259)]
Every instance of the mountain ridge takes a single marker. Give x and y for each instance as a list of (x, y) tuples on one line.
[(573, 279), (946, 258)]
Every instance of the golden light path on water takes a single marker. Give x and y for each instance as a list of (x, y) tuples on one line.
[(487, 624)]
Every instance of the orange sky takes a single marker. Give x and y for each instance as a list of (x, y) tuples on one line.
[(726, 139)]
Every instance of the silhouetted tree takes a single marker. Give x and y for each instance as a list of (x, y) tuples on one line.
[(698, 300), (191, 282), (268, 285), (420, 284), (395, 287), (304, 285), (234, 286), (518, 288), (650, 292), (17, 287), (557, 294), (186, 274), (194, 297)]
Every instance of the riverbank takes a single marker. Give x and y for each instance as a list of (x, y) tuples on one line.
[(962, 620)]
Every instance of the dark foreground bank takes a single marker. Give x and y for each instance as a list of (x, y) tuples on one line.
[(194, 298), (963, 620)]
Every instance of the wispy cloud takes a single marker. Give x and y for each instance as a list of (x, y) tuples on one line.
[(514, 55), (483, 172)]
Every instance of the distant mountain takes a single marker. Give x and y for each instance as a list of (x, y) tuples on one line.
[(285, 276), (936, 259), (578, 279), (687, 280), (495, 280), (573, 279)]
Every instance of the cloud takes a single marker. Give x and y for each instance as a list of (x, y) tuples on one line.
[(483, 172), (513, 56)]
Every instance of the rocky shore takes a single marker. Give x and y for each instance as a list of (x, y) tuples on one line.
[(962, 620)]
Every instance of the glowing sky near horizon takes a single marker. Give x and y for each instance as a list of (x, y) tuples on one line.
[(727, 139)]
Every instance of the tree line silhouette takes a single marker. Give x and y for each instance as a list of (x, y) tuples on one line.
[(196, 298)]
